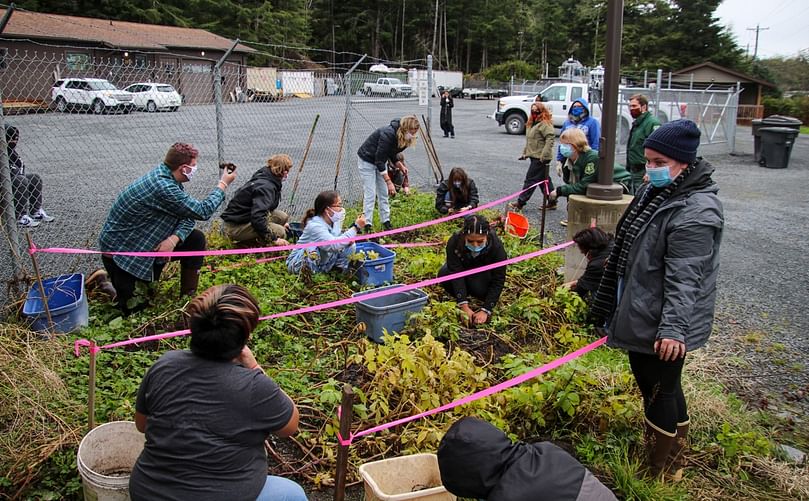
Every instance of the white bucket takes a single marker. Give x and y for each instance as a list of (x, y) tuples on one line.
[(415, 477), (106, 457)]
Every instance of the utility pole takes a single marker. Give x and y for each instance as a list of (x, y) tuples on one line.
[(520, 33), (757, 29)]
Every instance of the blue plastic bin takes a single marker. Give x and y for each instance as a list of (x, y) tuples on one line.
[(377, 271), (67, 302), (388, 312)]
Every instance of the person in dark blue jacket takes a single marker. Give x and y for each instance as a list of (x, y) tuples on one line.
[(579, 116), (381, 147)]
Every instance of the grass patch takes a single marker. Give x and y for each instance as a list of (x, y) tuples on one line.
[(591, 402)]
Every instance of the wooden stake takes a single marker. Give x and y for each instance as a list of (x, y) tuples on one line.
[(340, 150), (346, 415), (303, 160), (51, 330), (542, 218), (431, 145), (91, 394), (429, 156)]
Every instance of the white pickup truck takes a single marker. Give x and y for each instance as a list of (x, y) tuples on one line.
[(392, 87), (513, 111)]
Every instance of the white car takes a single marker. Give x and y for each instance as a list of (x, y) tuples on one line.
[(154, 96), (96, 94)]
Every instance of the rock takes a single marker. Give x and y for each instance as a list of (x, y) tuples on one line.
[(793, 455)]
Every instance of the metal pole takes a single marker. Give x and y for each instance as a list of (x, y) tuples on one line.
[(657, 90), (348, 89), (217, 95), (605, 188), (429, 91), (6, 17), (645, 79), (8, 216), (733, 117), (669, 80), (346, 409)]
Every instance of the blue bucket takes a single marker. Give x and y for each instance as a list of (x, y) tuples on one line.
[(377, 271), (388, 313), (67, 303)]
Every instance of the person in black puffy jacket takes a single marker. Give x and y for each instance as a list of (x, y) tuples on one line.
[(477, 460), (472, 247), (252, 214), (378, 149), (456, 193)]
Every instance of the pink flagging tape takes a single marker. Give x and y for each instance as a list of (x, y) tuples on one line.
[(481, 394), (228, 252), (349, 300)]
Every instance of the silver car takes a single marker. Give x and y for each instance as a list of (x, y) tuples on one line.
[(154, 96)]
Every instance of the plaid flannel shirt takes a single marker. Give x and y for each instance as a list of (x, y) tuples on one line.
[(147, 212)]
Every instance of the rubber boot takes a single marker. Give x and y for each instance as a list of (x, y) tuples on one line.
[(677, 461), (387, 225), (189, 280), (659, 447)]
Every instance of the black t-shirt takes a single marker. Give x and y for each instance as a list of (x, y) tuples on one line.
[(205, 430)]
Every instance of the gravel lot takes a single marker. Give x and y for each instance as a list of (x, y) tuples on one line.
[(761, 325)]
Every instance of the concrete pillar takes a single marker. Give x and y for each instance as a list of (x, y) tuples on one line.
[(581, 210)]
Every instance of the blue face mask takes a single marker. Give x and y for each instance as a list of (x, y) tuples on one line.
[(476, 249), (577, 111), (659, 176), (566, 150)]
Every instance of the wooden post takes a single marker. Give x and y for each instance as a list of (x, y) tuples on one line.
[(91, 393), (303, 160), (346, 415), (542, 218), (41, 287)]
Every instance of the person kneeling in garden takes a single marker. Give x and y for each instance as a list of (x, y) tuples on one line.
[(476, 460), (252, 215), (457, 193), (207, 412), (323, 223), (472, 247)]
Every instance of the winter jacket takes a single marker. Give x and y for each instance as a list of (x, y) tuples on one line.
[(587, 284), (642, 126), (254, 200), (381, 146), (459, 258), (446, 112), (669, 287), (441, 197), (589, 125), (477, 460), (585, 171), (539, 141)]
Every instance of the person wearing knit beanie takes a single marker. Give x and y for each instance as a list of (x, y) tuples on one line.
[(677, 140)]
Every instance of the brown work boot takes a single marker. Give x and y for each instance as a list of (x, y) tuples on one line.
[(98, 283), (189, 280), (677, 459)]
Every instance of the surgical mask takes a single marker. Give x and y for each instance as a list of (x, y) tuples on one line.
[(409, 136), (566, 150), (476, 249), (456, 184), (337, 217), (577, 111), (190, 174), (659, 176)]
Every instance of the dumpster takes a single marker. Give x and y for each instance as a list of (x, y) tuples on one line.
[(776, 146), (771, 121)]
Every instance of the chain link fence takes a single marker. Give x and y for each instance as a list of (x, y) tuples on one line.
[(89, 128)]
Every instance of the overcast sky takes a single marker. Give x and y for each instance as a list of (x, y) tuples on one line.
[(787, 20)]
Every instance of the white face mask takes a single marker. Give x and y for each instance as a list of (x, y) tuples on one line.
[(189, 174), (337, 217), (409, 136)]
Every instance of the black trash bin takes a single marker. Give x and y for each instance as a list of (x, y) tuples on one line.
[(771, 121), (776, 146)]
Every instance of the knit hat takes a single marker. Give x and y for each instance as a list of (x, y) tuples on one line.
[(678, 140)]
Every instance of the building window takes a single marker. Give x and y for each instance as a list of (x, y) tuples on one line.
[(141, 60), (77, 61)]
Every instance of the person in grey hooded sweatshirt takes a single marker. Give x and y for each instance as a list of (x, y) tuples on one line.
[(477, 460), (658, 292)]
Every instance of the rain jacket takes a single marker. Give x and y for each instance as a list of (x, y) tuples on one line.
[(642, 126), (669, 287), (477, 460), (589, 125), (381, 146)]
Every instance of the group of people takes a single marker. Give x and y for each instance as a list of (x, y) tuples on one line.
[(651, 287)]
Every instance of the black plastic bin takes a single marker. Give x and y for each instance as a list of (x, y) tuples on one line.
[(776, 146), (771, 121)]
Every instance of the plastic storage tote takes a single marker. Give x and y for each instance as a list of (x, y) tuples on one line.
[(388, 312), (377, 271), (67, 302)]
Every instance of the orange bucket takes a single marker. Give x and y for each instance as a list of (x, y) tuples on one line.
[(516, 225)]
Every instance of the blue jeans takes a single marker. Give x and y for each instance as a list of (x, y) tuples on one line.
[(373, 188), (281, 489)]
